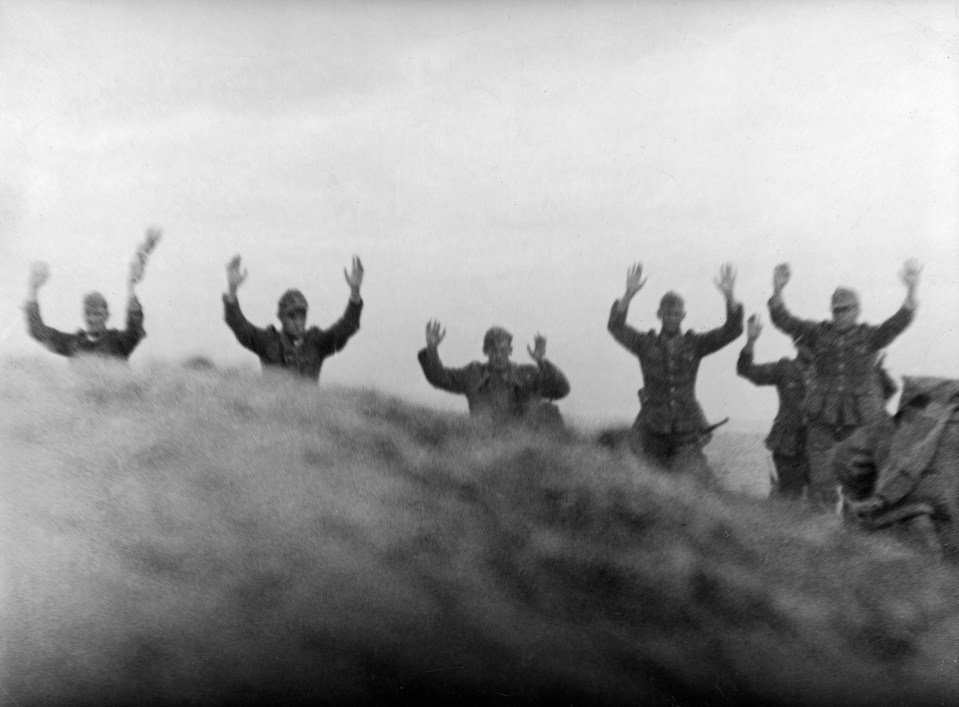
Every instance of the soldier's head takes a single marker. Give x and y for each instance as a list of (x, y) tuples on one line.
[(95, 312), (845, 307), (292, 313), (672, 311), (498, 345)]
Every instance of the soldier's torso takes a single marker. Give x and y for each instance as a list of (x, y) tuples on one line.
[(670, 366), (304, 359), (498, 394), (108, 344), (843, 389)]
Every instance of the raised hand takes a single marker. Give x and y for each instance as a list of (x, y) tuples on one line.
[(538, 352), (354, 278), (634, 279), (726, 282), (39, 274), (434, 333), (152, 238), (781, 276), (911, 269), (234, 274), (754, 327)]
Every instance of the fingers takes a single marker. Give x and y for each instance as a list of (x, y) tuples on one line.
[(153, 237)]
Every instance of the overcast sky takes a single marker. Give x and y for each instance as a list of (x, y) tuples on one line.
[(492, 163)]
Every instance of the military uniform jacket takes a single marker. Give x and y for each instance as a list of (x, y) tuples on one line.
[(788, 433), (842, 389), (112, 343), (500, 395), (669, 365), (278, 352)]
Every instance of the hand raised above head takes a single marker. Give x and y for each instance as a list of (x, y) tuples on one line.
[(235, 275), (911, 270), (781, 275), (538, 351), (726, 282), (434, 333), (754, 327), (634, 278), (39, 274), (354, 278)]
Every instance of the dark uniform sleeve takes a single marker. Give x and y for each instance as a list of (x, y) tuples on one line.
[(797, 328), (249, 336), (757, 373), (56, 341), (628, 337), (134, 332), (453, 380), (715, 339), (883, 335), (551, 382), (337, 335)]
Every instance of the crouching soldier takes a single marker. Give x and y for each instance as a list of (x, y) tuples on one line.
[(294, 348), (500, 390), (95, 338), (671, 428), (900, 475)]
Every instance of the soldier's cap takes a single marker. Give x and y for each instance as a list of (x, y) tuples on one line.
[(291, 301), (843, 298), (493, 336), (671, 300), (94, 299)]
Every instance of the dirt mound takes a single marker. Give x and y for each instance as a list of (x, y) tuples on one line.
[(195, 536)]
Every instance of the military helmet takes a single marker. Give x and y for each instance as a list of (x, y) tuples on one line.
[(94, 299), (672, 300), (494, 335), (844, 297), (291, 301)]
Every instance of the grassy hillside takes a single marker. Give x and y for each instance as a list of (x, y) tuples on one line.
[(208, 537)]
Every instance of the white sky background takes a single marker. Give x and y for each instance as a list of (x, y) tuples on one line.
[(492, 163)]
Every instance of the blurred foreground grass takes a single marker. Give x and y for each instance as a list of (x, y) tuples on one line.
[(209, 537)]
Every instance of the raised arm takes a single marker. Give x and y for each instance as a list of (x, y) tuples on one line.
[(551, 383), (623, 333), (134, 332), (140, 258), (56, 341), (759, 374), (715, 339), (349, 323), (781, 318), (249, 336), (885, 333), (453, 380)]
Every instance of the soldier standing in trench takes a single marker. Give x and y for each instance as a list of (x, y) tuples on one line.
[(294, 348), (95, 339), (499, 390), (671, 429)]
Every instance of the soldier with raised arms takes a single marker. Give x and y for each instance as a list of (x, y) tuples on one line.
[(497, 390), (843, 392), (671, 428), (293, 348), (95, 338)]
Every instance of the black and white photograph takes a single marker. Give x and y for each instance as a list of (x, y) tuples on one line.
[(479, 352)]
